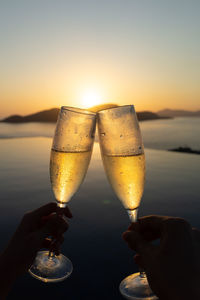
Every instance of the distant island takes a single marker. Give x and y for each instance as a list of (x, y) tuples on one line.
[(185, 150), (51, 115), (178, 113)]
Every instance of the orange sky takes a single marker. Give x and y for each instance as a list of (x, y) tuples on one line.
[(84, 52)]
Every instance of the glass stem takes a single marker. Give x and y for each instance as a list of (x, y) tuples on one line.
[(51, 254), (59, 213), (142, 273), (132, 213), (133, 217)]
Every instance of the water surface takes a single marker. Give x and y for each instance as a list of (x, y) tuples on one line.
[(171, 133), (93, 242), (157, 134)]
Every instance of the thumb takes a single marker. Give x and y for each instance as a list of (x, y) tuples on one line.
[(137, 243), (55, 227)]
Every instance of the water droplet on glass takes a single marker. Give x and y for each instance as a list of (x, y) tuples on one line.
[(121, 135), (103, 134)]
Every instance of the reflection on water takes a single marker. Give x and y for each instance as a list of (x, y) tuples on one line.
[(11, 130), (25, 169), (157, 134), (171, 133), (93, 242)]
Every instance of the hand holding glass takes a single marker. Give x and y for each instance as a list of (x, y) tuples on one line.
[(124, 163), (70, 157)]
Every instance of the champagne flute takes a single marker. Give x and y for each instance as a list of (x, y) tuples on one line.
[(123, 157), (70, 157)]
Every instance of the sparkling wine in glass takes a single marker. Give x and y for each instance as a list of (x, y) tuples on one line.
[(123, 157), (70, 157)]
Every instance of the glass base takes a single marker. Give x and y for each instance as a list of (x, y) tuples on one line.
[(51, 269), (135, 287)]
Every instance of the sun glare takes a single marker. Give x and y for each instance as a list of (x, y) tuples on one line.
[(91, 98)]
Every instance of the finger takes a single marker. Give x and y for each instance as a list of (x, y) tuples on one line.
[(159, 225), (153, 224), (173, 227), (55, 227), (55, 247), (64, 211), (44, 210), (150, 236), (147, 235), (44, 219), (137, 243), (138, 260), (61, 225), (47, 243), (134, 226), (59, 240)]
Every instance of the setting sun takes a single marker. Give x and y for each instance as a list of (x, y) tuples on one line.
[(91, 97)]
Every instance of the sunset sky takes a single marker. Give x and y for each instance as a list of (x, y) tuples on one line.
[(84, 52)]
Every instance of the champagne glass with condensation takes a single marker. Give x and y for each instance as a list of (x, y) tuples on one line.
[(123, 157), (70, 157)]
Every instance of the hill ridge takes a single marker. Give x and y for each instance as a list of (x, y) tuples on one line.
[(50, 115), (178, 113)]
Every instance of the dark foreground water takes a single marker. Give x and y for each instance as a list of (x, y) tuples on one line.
[(93, 242)]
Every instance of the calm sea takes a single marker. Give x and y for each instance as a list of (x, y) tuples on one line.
[(169, 133), (158, 134), (93, 242)]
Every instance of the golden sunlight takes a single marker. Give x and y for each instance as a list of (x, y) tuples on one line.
[(91, 97)]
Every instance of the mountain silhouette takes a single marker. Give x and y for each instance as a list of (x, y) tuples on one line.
[(51, 115), (178, 113)]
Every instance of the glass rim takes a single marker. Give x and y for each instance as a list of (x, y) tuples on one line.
[(78, 110), (119, 106)]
